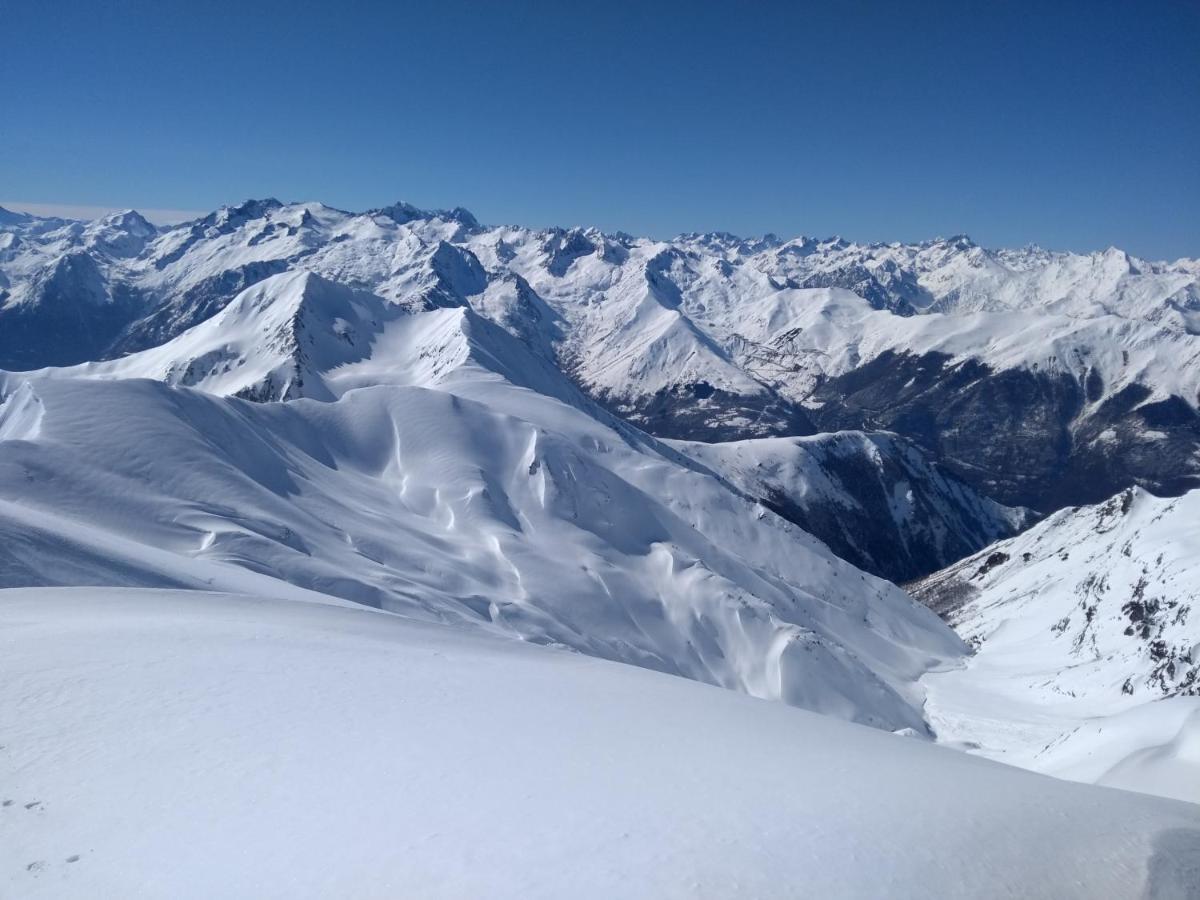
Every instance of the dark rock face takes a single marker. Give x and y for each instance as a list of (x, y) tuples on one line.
[(889, 288), (905, 518), (191, 307), (71, 316), (701, 412), (1021, 437)]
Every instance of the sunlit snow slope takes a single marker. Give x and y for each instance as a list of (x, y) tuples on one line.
[(1087, 660), (454, 494), (184, 744)]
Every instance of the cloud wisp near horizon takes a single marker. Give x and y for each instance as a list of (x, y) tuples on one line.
[(86, 212)]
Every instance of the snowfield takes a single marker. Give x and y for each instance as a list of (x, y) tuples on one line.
[(189, 744)]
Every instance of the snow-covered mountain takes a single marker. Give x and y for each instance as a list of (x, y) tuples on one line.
[(1115, 583), (1042, 379), (440, 472), (677, 454), (191, 744), (1087, 654), (874, 498)]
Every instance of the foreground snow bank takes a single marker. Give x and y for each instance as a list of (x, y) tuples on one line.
[(183, 744)]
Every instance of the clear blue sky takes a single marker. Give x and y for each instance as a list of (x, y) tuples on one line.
[(1073, 125)]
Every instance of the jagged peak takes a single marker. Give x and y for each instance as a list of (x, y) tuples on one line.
[(954, 241), (246, 211), (127, 220), (255, 208), (729, 240), (402, 212)]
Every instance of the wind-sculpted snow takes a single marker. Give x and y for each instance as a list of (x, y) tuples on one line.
[(523, 515), (1087, 661), (197, 745)]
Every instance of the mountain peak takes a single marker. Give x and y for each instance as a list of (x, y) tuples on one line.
[(8, 217), (402, 212), (127, 218)]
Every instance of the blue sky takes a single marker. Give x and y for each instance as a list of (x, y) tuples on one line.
[(1070, 125)]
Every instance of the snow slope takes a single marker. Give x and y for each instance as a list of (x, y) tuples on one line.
[(873, 497), (1087, 660), (186, 744), (274, 341), (481, 503), (297, 334)]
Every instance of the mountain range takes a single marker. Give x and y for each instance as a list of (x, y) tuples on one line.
[(938, 490)]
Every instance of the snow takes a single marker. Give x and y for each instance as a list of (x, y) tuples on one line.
[(192, 744), (887, 502), (471, 500), (317, 645), (1087, 660), (635, 317)]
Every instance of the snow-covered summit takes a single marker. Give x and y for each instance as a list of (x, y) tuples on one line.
[(274, 341)]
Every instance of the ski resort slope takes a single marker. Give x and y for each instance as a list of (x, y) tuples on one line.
[(184, 744)]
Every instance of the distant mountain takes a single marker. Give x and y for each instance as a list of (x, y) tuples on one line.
[(1039, 378)]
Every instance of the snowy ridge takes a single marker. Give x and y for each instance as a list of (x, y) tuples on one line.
[(523, 515), (274, 341), (707, 337)]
